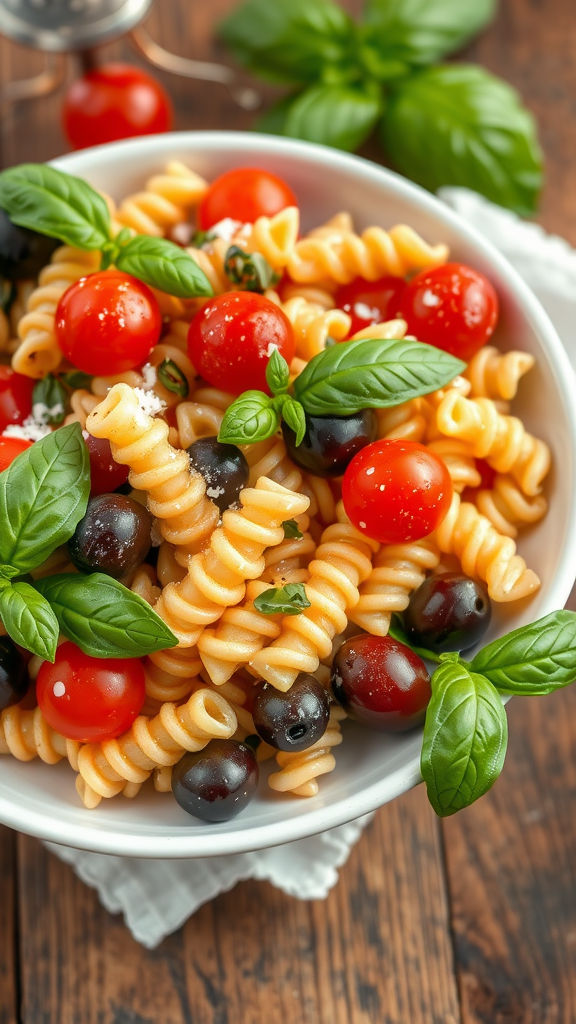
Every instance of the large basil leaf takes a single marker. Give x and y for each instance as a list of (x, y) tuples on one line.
[(458, 125), (273, 120), (372, 373), (534, 659), (418, 32), (43, 495), (335, 115), (104, 618), (40, 197), (29, 619), (164, 265), (465, 737), (289, 40)]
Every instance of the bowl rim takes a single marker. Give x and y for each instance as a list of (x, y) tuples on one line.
[(91, 836)]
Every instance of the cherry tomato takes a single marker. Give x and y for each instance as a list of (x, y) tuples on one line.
[(105, 474), (370, 302), (115, 101), (229, 341), (487, 477), (15, 397), (244, 194), (10, 447), (90, 699), (396, 491), (452, 307), (108, 322)]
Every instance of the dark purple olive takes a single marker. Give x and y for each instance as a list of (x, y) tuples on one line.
[(218, 782), (113, 536), (449, 612), (23, 252), (293, 720), (14, 681), (381, 683), (331, 442), (224, 468)]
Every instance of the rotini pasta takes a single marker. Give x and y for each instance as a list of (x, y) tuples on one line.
[(26, 735), (398, 569), (299, 771), (496, 375), (507, 507), (312, 323), (165, 201)]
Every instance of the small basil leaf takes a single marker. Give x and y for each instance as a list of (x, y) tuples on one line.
[(277, 373), (171, 376), (533, 659), (397, 632), (43, 496), (54, 203), (372, 373), (476, 132), (288, 40), (273, 120), (252, 417), (418, 32), (290, 600), (29, 620), (248, 270), (77, 379), (49, 401), (292, 530), (104, 618), (164, 265), (336, 115), (295, 417), (465, 737), (199, 238)]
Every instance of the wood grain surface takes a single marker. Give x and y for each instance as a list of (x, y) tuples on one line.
[(469, 921)]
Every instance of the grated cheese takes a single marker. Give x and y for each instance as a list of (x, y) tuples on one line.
[(149, 402), (150, 376), (226, 228), (29, 430)]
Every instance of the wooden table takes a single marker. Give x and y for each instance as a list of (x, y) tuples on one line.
[(467, 921)]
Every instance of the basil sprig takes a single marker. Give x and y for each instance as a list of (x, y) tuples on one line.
[(290, 600), (62, 206), (248, 270), (171, 376), (49, 400), (29, 620), (445, 125)]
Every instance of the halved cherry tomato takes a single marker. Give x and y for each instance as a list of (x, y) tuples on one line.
[(108, 322), (90, 699), (396, 491), (230, 340), (15, 397), (244, 194), (10, 447), (105, 474), (370, 302), (452, 307), (114, 101)]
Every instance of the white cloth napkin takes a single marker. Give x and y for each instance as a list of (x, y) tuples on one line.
[(155, 896)]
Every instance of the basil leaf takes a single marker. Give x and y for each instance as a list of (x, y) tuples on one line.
[(290, 600), (336, 115), (43, 495), (533, 659), (273, 120), (277, 373), (248, 270), (418, 32), (164, 265), (104, 618), (476, 134), (465, 737), (54, 203), (252, 417), (29, 620), (372, 374), (292, 530), (49, 401), (295, 417), (199, 238), (77, 379), (289, 40), (397, 632), (171, 376)]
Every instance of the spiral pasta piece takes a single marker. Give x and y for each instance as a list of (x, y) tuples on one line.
[(405, 421), (150, 743), (312, 323), (269, 458), (507, 507), (398, 569), (147, 378), (144, 583), (484, 553), (166, 200), (300, 770), (459, 460), (38, 352), (502, 440), (496, 375), (170, 675), (82, 402), (26, 735), (202, 417)]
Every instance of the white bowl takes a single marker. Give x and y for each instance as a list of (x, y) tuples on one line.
[(371, 768)]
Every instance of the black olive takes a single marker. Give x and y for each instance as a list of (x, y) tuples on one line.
[(449, 612), (14, 681), (216, 783), (293, 720), (223, 467), (331, 442), (113, 536), (23, 253)]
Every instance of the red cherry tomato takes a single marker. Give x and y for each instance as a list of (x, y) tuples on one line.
[(244, 194), (370, 302), (452, 307), (487, 477), (90, 699), (15, 397), (108, 322), (115, 101), (396, 491), (229, 341), (10, 447), (105, 474)]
